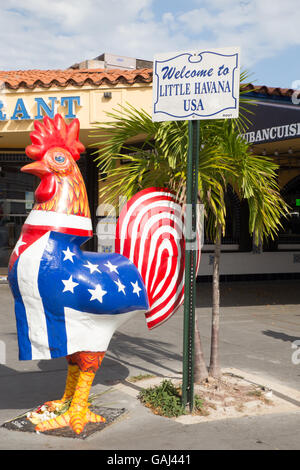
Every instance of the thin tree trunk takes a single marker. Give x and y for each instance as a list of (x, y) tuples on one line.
[(200, 369), (214, 366)]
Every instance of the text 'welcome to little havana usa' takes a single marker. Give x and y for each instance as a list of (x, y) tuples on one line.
[(196, 85)]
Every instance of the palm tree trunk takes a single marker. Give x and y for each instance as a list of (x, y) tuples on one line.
[(200, 369), (214, 366)]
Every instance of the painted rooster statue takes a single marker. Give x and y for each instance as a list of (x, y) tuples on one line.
[(68, 303)]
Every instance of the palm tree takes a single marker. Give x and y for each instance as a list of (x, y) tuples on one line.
[(224, 158), (253, 179)]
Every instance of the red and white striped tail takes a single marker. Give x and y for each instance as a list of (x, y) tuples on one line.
[(150, 232)]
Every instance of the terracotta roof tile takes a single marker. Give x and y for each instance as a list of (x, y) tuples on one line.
[(31, 79), (269, 91), (47, 78)]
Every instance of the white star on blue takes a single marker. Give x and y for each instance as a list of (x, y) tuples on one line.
[(100, 283)]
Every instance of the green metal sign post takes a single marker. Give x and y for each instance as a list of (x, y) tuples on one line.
[(190, 265), (185, 84)]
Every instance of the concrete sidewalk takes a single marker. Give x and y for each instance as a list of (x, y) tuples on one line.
[(259, 323)]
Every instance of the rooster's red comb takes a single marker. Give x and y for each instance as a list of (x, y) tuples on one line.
[(54, 133)]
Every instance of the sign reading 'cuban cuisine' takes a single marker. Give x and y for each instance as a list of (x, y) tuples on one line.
[(196, 85)]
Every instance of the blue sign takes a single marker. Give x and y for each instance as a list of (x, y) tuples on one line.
[(196, 85), (42, 108)]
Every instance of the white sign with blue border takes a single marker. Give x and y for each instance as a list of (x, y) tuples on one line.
[(196, 85)]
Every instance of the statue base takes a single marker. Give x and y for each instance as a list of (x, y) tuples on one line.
[(23, 424)]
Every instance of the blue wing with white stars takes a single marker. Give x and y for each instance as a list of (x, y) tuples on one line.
[(93, 282), (69, 300)]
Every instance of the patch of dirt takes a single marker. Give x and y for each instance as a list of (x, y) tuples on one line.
[(230, 394)]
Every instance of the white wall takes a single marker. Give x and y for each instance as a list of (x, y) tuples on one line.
[(252, 263)]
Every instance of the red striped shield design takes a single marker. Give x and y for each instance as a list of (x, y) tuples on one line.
[(150, 232)]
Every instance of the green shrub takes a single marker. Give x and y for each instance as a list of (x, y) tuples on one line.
[(198, 403), (164, 399)]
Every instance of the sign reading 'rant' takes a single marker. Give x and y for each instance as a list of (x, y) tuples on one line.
[(196, 85)]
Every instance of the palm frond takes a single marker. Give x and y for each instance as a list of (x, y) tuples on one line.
[(136, 153)]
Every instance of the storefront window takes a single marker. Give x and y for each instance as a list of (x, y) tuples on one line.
[(16, 201), (231, 239), (290, 233)]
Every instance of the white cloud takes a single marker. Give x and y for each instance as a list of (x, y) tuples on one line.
[(260, 28), (59, 33)]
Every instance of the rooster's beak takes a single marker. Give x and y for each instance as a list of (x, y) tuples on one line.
[(37, 168)]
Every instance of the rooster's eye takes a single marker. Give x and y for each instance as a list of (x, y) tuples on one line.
[(59, 158)]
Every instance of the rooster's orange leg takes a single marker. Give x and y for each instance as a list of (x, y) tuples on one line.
[(78, 415), (72, 378)]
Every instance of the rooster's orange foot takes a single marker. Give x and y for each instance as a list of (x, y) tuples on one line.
[(76, 420), (55, 405)]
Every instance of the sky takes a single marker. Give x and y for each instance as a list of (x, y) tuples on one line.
[(44, 34)]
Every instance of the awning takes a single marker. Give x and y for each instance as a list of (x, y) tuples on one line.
[(272, 122)]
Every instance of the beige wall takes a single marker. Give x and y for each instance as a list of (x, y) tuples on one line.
[(92, 109)]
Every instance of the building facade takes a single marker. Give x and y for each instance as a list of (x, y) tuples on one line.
[(87, 94), (91, 89), (275, 132)]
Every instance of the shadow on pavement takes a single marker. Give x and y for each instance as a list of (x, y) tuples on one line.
[(27, 389), (280, 335), (131, 349)]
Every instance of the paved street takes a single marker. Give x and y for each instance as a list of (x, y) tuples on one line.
[(259, 323)]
